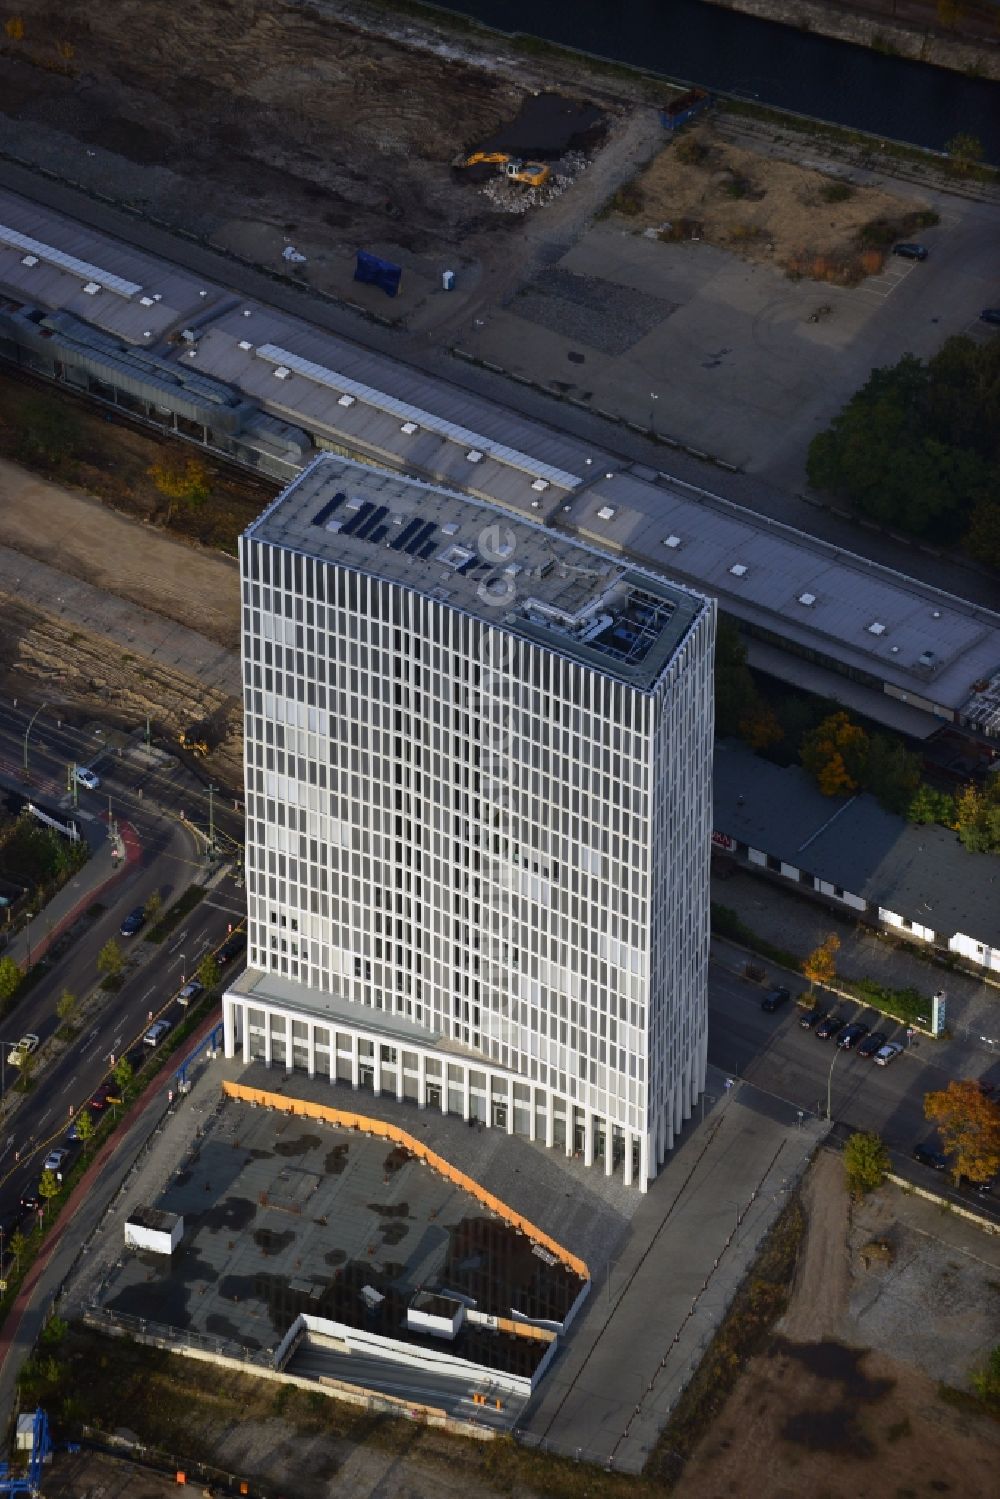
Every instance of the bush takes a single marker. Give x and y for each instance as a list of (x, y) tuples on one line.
[(836, 192), (866, 1162), (629, 200), (906, 1004)]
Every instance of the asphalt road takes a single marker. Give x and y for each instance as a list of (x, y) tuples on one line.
[(170, 862), (778, 1057)]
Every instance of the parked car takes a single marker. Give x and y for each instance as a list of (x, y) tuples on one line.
[(31, 1202), (774, 998), (108, 1092), (978, 1188), (54, 1160), (156, 1032), (829, 1027), (872, 1043), (232, 948), (888, 1053), (910, 252), (24, 1048), (851, 1035), (86, 777), (134, 922), (928, 1155), (191, 991), (812, 1017), (990, 315)]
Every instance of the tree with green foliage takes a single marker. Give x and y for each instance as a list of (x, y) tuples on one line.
[(154, 904), (85, 1127), (986, 1381), (964, 151), (10, 978), (866, 1162), (209, 972), (111, 959), (25, 1072), (49, 1186), (18, 1247), (736, 695), (917, 447), (982, 540), (66, 1005), (124, 1075), (891, 772), (930, 805)]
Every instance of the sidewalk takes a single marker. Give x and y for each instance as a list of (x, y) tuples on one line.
[(100, 873), (799, 925)]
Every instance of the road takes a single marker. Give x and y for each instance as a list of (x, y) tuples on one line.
[(170, 861), (778, 1057)]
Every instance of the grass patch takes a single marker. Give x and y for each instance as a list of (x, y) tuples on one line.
[(836, 192), (745, 1332), (628, 200), (182, 906)]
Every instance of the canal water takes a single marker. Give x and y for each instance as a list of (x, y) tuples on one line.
[(738, 54)]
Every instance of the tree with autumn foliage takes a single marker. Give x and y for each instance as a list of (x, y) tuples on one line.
[(186, 481), (969, 1125), (821, 965), (836, 753)]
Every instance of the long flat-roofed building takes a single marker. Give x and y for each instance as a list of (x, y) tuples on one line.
[(478, 791)]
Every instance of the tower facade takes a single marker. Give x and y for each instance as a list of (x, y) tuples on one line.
[(478, 791)]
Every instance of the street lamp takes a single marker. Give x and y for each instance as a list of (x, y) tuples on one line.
[(653, 398), (27, 731), (211, 821), (183, 969)]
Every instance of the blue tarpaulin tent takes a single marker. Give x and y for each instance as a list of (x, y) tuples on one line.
[(378, 272)]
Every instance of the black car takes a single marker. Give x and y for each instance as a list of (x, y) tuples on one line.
[(928, 1156), (872, 1043), (990, 315), (911, 252), (773, 998), (851, 1035), (811, 1017), (829, 1027), (134, 922), (31, 1202), (231, 949), (979, 1188)]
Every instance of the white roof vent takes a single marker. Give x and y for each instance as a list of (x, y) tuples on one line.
[(409, 428), (203, 294), (145, 301), (245, 345), (345, 401), (876, 627), (157, 296), (808, 599), (29, 259), (739, 569), (91, 288), (192, 353), (147, 334), (672, 541), (474, 455), (605, 512), (540, 486), (355, 502), (449, 528), (926, 658), (246, 312), (456, 556), (935, 614), (281, 373)]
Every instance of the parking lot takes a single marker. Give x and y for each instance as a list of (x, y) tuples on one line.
[(731, 359)]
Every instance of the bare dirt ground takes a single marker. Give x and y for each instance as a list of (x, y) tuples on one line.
[(331, 127), (845, 1405), (762, 208)]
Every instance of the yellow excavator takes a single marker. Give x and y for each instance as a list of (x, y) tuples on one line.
[(534, 173)]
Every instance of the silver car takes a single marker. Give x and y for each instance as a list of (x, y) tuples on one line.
[(888, 1053), (156, 1032)]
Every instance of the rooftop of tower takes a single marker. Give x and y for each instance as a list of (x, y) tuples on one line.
[(587, 604)]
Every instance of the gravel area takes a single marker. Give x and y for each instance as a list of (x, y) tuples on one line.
[(601, 314)]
